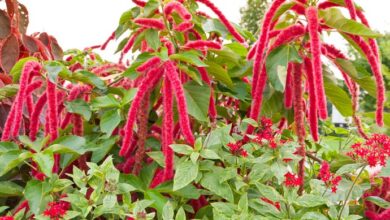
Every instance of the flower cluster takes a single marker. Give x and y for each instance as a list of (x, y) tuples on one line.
[(6, 218), (292, 180), (56, 210), (374, 150), (330, 179), (266, 133), (236, 149)]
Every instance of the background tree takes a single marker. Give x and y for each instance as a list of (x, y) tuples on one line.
[(252, 14)]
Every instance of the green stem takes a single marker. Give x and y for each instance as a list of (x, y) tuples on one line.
[(350, 191)]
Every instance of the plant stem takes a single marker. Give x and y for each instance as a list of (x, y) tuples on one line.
[(350, 191)]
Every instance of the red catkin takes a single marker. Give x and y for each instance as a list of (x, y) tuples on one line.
[(351, 8), (34, 119), (315, 46), (184, 26), (212, 108), (30, 89), (28, 69), (108, 67), (372, 42), (130, 43), (167, 129), (151, 63), (288, 34), (150, 23), (139, 3), (288, 93), (202, 45), (171, 73), (262, 44), (313, 119), (252, 52), (224, 21), (179, 8), (151, 78), (52, 110), (112, 37), (326, 4), (377, 72)]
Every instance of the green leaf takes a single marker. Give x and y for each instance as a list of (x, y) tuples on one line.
[(211, 182), (180, 215), (168, 211), (109, 201), (150, 7), (182, 149), (243, 203), (128, 96), (79, 107), (103, 149), (16, 70), (385, 172), (214, 25), (314, 215), (190, 57), (309, 201), (45, 161), (12, 159), (349, 168), (68, 144), (386, 117), (198, 99), (8, 146), (269, 192), (335, 19), (186, 172), (8, 91), (209, 154), (157, 156), (109, 121), (338, 97), (108, 101), (37, 195), (152, 38), (158, 199), (219, 73), (277, 62), (378, 201), (54, 69), (90, 78), (9, 189)]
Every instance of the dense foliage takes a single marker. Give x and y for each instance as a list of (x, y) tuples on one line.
[(198, 119)]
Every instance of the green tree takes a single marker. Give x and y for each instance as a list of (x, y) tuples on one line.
[(252, 14)]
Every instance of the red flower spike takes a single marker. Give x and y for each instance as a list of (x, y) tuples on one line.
[(298, 104), (327, 4), (179, 8), (351, 8), (6, 218), (52, 110), (150, 23), (183, 27), (203, 45), (171, 73), (224, 21), (130, 43), (139, 3), (150, 79), (288, 34), (212, 108), (377, 72), (263, 42), (112, 37), (315, 44), (313, 119), (252, 52), (151, 63), (288, 93), (167, 129), (372, 42), (34, 119)]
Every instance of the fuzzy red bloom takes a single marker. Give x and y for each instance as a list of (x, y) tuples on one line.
[(374, 150), (373, 43), (52, 109), (110, 38), (147, 83), (276, 204), (315, 44), (6, 218), (184, 26), (298, 104), (150, 23), (313, 119), (56, 210), (34, 119), (130, 43), (151, 63), (288, 34), (139, 3), (212, 108), (179, 8), (167, 129), (327, 4), (377, 72), (351, 8), (288, 93), (203, 45), (252, 52), (292, 180), (224, 20), (171, 73)]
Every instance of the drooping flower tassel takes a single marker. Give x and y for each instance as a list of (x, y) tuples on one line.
[(150, 79), (351, 8), (288, 93), (171, 73), (202, 45), (179, 8), (313, 119), (212, 108), (224, 21), (315, 44), (167, 129), (151, 63), (34, 119), (150, 23), (288, 34), (52, 110)]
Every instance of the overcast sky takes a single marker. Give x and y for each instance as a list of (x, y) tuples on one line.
[(83, 23)]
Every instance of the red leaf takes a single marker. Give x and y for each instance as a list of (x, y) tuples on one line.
[(30, 44), (9, 53), (5, 25), (23, 18)]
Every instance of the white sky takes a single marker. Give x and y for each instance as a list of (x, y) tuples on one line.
[(83, 23)]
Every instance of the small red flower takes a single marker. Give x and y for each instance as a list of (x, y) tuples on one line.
[(292, 180), (244, 153), (56, 210), (287, 160), (236, 149), (329, 178)]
